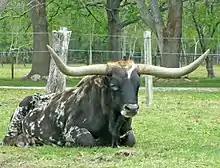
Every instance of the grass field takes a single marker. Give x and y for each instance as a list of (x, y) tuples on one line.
[(180, 130), (197, 78)]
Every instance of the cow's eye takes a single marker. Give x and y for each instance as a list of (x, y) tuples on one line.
[(114, 87)]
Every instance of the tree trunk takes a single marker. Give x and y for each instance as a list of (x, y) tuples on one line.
[(168, 37), (41, 57), (209, 67), (114, 30), (202, 40), (172, 35), (57, 81), (208, 60)]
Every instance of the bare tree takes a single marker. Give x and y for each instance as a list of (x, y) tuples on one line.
[(169, 34), (3, 5), (115, 23), (203, 31), (114, 30), (56, 80), (41, 57)]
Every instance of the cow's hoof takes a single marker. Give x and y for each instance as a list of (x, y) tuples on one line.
[(115, 146), (128, 140)]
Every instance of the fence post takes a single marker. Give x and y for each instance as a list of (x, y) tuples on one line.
[(124, 45), (56, 81), (90, 50), (148, 60), (12, 55), (90, 47)]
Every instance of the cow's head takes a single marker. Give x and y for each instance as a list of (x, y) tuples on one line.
[(123, 81), (123, 77)]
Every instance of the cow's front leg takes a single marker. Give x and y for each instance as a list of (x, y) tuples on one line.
[(114, 128), (128, 139), (75, 136)]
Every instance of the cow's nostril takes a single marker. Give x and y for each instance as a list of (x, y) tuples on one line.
[(131, 107), (126, 107)]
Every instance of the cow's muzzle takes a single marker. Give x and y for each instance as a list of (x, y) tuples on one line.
[(129, 110)]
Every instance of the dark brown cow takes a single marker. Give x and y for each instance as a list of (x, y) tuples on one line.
[(97, 112)]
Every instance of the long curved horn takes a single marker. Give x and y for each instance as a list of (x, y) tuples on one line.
[(98, 69), (164, 72)]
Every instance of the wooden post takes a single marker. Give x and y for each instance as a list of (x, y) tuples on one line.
[(142, 54), (124, 46), (12, 55), (90, 48), (90, 44), (148, 60), (56, 81), (12, 67)]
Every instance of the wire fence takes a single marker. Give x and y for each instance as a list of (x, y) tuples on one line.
[(84, 46)]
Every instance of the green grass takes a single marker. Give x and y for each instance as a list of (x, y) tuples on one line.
[(196, 79), (180, 130), (192, 82), (21, 71), (17, 82)]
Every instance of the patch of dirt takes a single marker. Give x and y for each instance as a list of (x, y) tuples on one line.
[(125, 152), (184, 79), (101, 159)]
